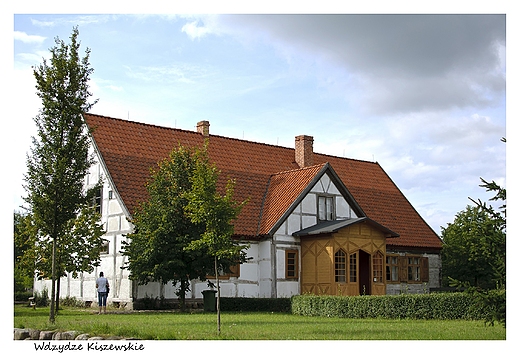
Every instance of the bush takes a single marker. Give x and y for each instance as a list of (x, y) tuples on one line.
[(247, 304), (22, 296), (442, 306), (41, 300), (71, 302), (491, 304)]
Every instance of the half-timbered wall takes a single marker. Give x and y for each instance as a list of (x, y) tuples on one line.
[(304, 215)]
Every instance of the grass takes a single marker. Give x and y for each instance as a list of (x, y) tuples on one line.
[(251, 326)]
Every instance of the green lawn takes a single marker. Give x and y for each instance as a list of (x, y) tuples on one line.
[(256, 326)]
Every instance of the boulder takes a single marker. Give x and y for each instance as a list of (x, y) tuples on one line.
[(21, 334), (46, 335), (70, 335)]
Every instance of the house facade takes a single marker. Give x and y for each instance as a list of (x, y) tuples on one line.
[(315, 223)]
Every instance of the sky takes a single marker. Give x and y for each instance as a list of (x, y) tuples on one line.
[(423, 95)]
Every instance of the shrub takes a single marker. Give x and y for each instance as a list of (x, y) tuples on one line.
[(443, 306), (22, 296), (71, 302), (491, 304), (247, 304), (41, 299)]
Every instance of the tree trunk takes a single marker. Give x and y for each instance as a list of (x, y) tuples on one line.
[(58, 286), (182, 295), (218, 296), (53, 281)]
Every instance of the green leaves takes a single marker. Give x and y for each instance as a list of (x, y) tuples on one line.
[(58, 164), (474, 249)]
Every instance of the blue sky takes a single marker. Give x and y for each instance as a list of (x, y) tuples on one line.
[(423, 95)]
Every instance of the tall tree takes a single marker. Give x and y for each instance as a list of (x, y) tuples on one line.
[(156, 249), (216, 213), (59, 159)]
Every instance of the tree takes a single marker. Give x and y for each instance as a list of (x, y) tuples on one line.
[(474, 249), (500, 195), (156, 249), (215, 212), (60, 159), (23, 270)]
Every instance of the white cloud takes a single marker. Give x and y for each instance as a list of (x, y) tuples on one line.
[(194, 31), (26, 38)]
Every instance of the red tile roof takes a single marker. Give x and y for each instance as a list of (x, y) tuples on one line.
[(283, 190), (268, 175)]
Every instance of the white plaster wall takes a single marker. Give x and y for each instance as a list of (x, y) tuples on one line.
[(287, 288)]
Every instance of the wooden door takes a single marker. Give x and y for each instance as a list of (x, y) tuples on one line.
[(365, 273)]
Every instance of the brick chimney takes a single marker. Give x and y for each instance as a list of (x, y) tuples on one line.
[(303, 151), (203, 128)]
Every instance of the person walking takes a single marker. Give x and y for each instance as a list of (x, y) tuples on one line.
[(102, 288)]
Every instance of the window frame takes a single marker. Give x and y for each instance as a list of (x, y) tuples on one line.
[(413, 264), (377, 268), (293, 255), (340, 266), (353, 267), (97, 201), (234, 272), (326, 212), (413, 268), (392, 268), (105, 247)]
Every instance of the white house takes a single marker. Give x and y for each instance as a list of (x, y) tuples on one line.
[(315, 223)]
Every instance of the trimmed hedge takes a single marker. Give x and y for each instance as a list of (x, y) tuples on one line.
[(441, 306), (247, 304)]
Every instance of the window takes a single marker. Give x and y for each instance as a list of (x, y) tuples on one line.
[(392, 268), (291, 264), (377, 267), (105, 248), (234, 271), (325, 208), (353, 267), (414, 269), (340, 266), (98, 200)]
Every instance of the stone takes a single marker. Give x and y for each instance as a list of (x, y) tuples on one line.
[(46, 335), (70, 335), (21, 334), (83, 336), (34, 334)]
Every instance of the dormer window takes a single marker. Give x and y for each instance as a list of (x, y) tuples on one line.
[(326, 208)]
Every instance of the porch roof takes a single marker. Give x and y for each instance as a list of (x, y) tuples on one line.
[(328, 227)]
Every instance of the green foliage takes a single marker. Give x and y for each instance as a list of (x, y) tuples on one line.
[(71, 301), (490, 303), (41, 299), (439, 306), (474, 249), (215, 212), (245, 304), (22, 296), (24, 266), (58, 164), (157, 250)]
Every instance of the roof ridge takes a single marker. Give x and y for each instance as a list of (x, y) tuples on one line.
[(188, 131), (320, 165), (224, 137)]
